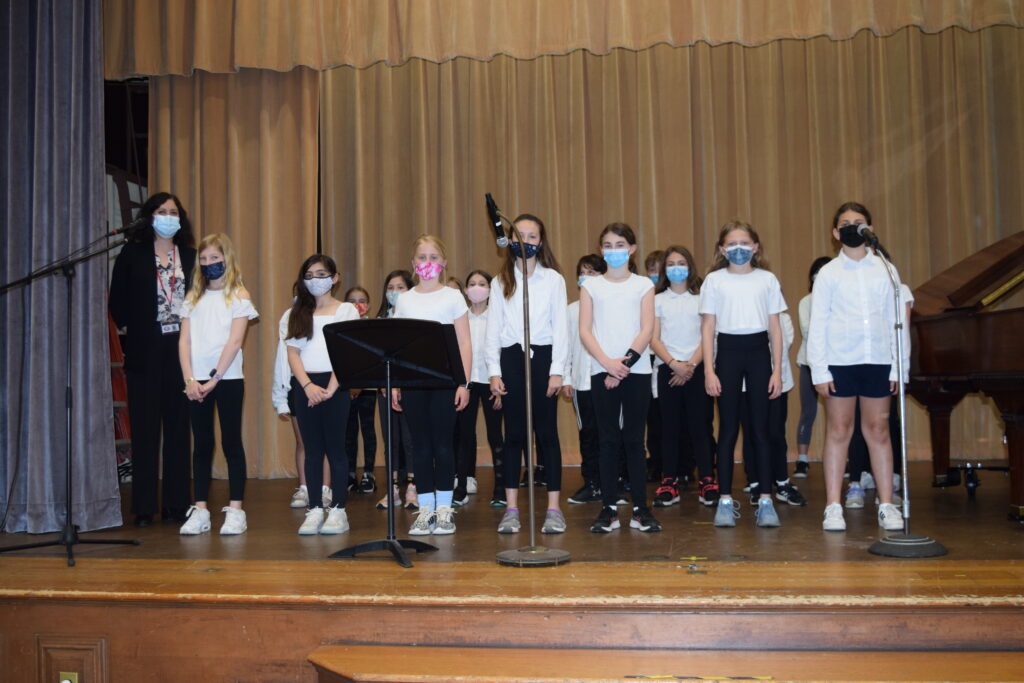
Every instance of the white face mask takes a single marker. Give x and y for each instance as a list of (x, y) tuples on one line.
[(318, 286)]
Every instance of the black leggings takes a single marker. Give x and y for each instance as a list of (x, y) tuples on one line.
[(360, 418), (545, 425), (322, 432), (479, 395), (431, 415), (590, 443), (778, 410), (684, 410), (743, 357), (630, 400), (402, 455), (808, 407), (227, 397)]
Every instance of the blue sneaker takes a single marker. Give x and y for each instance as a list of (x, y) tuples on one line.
[(766, 515), (727, 513)]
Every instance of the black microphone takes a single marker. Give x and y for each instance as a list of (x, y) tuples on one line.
[(134, 225), (864, 230), (492, 213)]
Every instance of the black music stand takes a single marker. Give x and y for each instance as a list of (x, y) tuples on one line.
[(393, 354)]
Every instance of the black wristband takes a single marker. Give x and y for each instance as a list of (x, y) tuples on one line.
[(631, 358)]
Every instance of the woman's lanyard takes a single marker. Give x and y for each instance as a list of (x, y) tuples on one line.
[(169, 295)]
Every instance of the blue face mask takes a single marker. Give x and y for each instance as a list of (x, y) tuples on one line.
[(393, 297), (166, 226), (739, 255), (214, 271), (677, 274), (654, 278), (518, 249), (581, 280), (615, 257)]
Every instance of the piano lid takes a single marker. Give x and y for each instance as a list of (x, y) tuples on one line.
[(977, 281)]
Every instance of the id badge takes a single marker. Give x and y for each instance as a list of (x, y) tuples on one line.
[(170, 328)]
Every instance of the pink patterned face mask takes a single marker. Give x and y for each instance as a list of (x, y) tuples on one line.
[(428, 270)]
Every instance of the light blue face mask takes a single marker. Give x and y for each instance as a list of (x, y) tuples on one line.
[(393, 297), (654, 278), (677, 274), (615, 257), (739, 254), (166, 226), (581, 280)]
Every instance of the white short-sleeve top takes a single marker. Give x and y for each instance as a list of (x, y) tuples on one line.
[(313, 351), (210, 327), (616, 318), (741, 302), (679, 315), (444, 305)]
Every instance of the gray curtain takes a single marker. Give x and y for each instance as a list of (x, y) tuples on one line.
[(51, 200)]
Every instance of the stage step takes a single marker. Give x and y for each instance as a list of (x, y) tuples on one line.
[(384, 664)]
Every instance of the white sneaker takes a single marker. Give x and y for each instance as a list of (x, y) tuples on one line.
[(423, 524), (854, 496), (314, 520), (234, 522), (327, 496), (444, 520), (834, 518), (337, 522), (300, 498), (198, 522), (470, 484), (897, 499), (867, 480), (382, 504), (411, 498), (889, 517)]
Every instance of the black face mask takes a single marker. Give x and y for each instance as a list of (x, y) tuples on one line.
[(850, 237)]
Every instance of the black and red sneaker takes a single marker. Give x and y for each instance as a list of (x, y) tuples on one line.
[(667, 494), (607, 521), (708, 491)]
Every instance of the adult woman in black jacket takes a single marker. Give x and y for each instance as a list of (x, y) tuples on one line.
[(151, 276)]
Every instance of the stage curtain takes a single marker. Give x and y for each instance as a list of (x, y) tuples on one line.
[(153, 37), (926, 129), (52, 203), (241, 152)]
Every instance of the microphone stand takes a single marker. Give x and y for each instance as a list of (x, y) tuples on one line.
[(532, 555), (66, 267), (906, 544)]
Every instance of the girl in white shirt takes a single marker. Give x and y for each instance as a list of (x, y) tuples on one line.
[(432, 412), (808, 394), (740, 304), (361, 415), (215, 315), (478, 291), (616, 324), (549, 351), (852, 353), (322, 410), (680, 368)]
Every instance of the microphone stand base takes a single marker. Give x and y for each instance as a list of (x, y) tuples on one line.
[(533, 556), (908, 546)]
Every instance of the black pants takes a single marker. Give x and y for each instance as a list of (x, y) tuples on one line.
[(654, 437), (860, 459), (479, 395), (590, 443), (743, 357), (322, 428), (684, 414), (400, 435), (630, 400), (227, 398), (778, 411), (431, 415), (361, 418), (155, 399), (545, 424)]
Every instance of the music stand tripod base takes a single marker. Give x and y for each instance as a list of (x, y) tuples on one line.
[(397, 547), (907, 546), (533, 556)]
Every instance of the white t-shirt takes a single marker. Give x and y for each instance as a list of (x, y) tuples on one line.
[(547, 318), (741, 302), (679, 316), (209, 329), (313, 352), (804, 314), (443, 305), (477, 333), (616, 313)]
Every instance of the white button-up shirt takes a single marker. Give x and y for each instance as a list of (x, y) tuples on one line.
[(853, 318), (547, 318)]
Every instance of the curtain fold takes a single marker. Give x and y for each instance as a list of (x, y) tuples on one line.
[(52, 202), (162, 37), (241, 152), (926, 129)]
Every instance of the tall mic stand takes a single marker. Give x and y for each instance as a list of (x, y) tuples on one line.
[(906, 544), (532, 555), (66, 266)]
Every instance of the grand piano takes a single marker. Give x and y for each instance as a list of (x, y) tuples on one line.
[(959, 347)]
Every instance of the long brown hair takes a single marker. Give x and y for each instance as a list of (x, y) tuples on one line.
[(545, 257), (757, 260), (300, 320), (624, 231), (693, 280)]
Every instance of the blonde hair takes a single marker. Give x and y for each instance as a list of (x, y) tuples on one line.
[(718, 260), (436, 241), (232, 273)]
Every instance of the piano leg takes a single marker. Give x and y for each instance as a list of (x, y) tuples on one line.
[(1011, 406), (940, 407)]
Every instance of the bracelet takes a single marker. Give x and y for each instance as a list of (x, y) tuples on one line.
[(191, 379), (307, 384)]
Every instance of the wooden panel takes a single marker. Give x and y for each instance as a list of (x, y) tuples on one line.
[(81, 654)]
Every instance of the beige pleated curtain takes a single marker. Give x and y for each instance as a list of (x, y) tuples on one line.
[(926, 128)]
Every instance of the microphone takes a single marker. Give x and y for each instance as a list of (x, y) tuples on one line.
[(492, 213), (134, 225), (864, 230)]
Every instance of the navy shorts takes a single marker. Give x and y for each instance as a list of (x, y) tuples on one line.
[(869, 381)]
